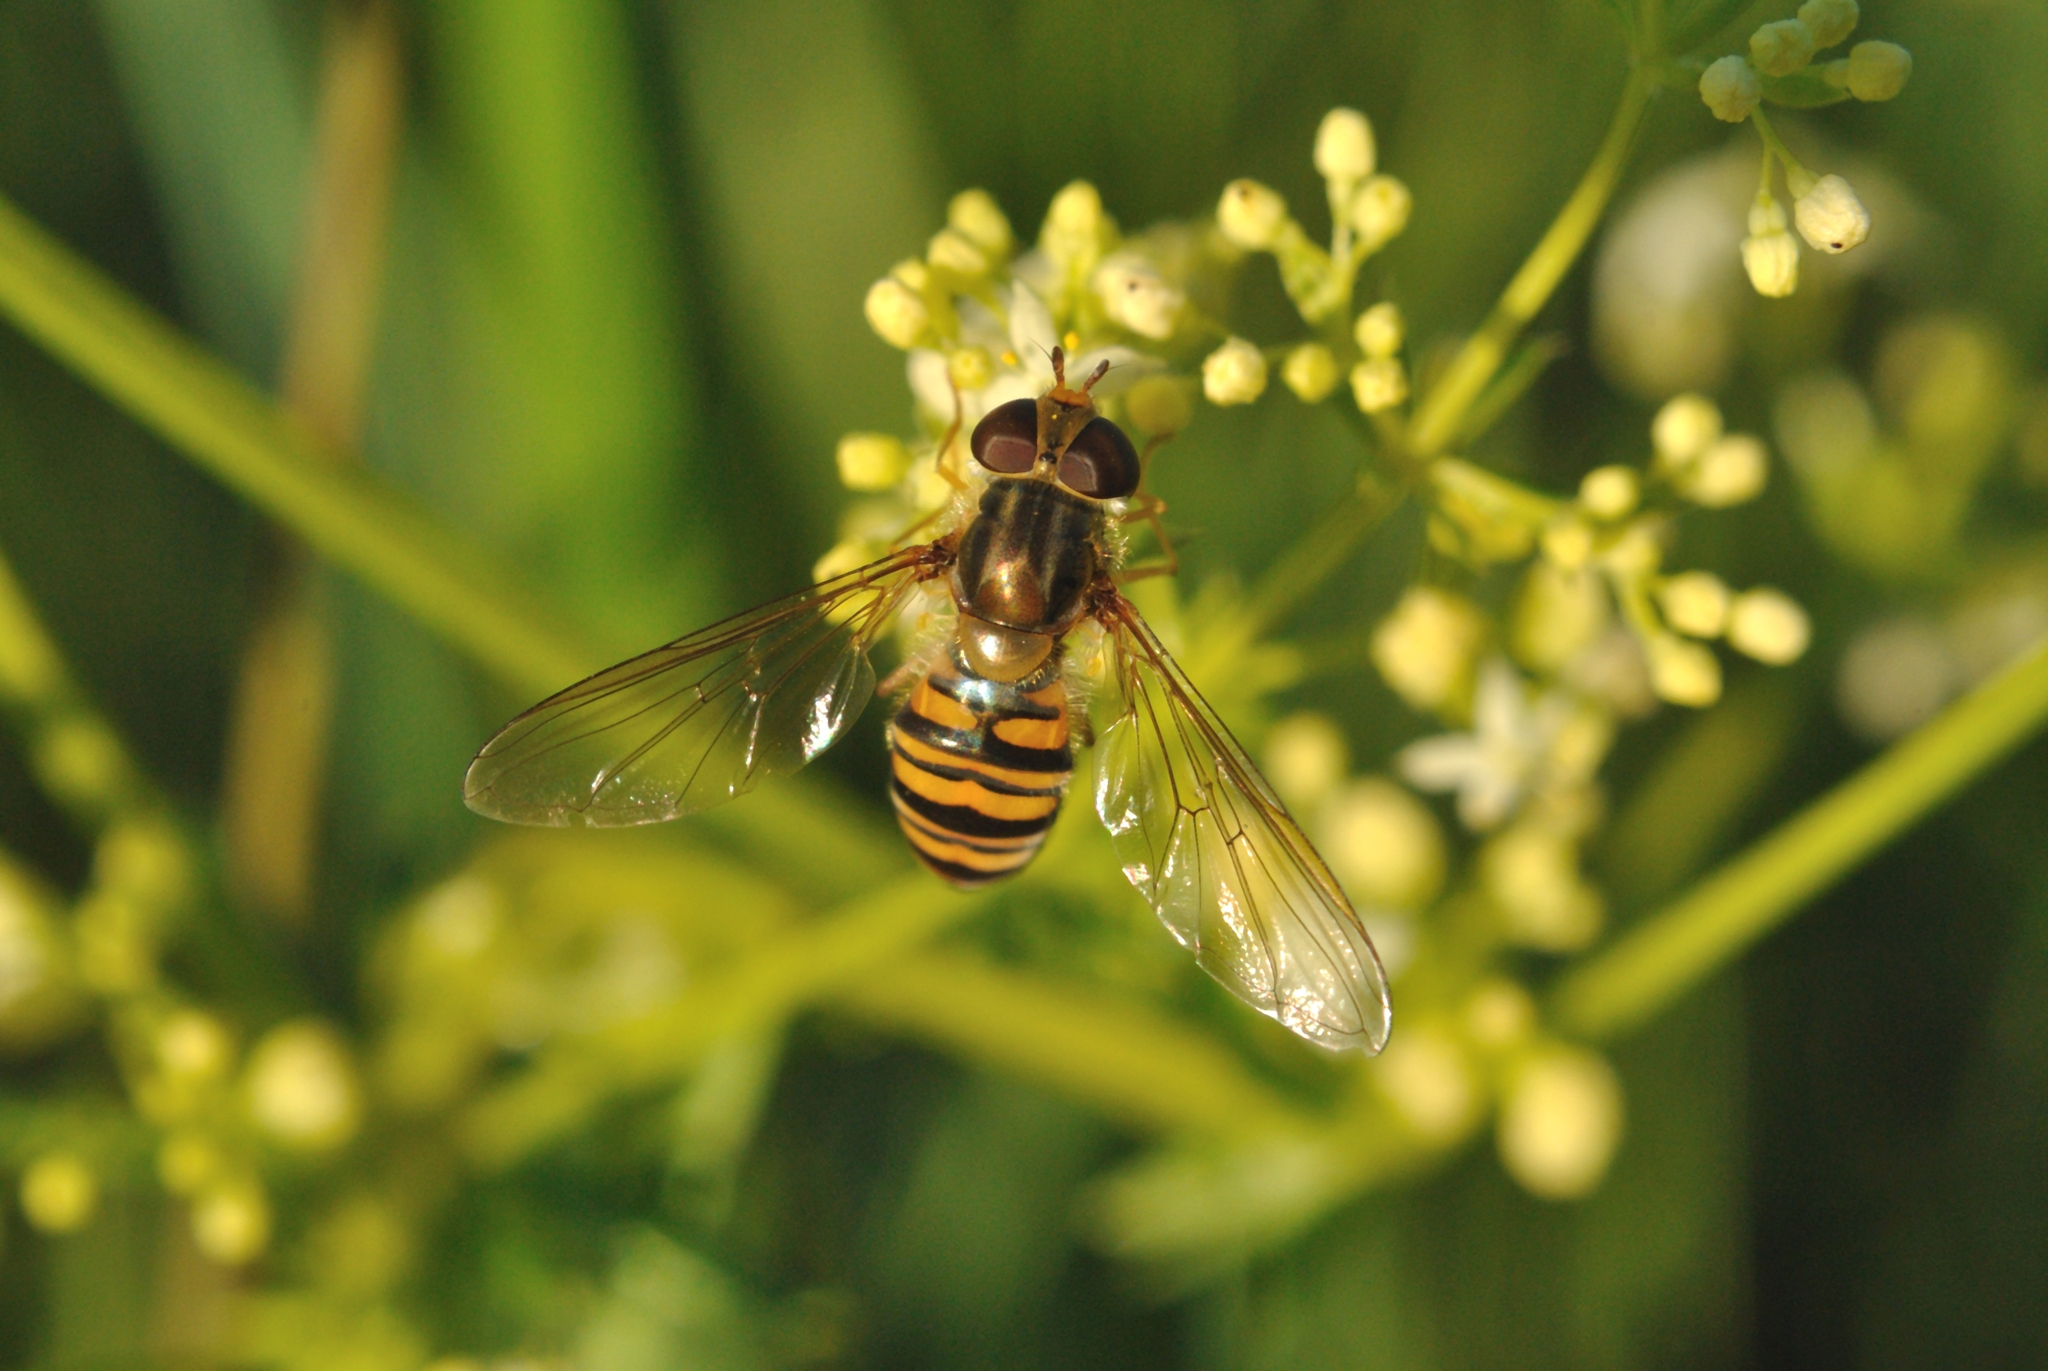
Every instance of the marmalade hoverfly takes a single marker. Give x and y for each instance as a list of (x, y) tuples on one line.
[(981, 744)]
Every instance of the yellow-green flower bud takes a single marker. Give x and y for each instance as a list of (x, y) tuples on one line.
[(193, 1046), (1560, 1123), (1135, 295), (1379, 384), (1305, 757), (1684, 428), (1878, 71), (1311, 372), (1428, 1079), (1425, 648), (1500, 1013), (1344, 147), (231, 1221), (1533, 876), (1731, 89), (302, 1087), (1768, 625), (1158, 405), (1695, 603), (59, 1192), (872, 461), (1730, 472), (1829, 21), (1383, 844), (1074, 224), (1558, 615), (897, 313), (1250, 214), (1610, 492), (187, 1161), (1770, 255), (1234, 374), (1683, 672), (952, 250), (975, 214), (1781, 49), (1380, 211), (1381, 330), (1830, 217), (1567, 543)]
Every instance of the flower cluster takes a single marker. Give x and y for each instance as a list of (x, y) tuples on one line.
[(1781, 68)]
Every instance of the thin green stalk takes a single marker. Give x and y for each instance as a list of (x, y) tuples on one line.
[(182, 393), (1724, 914), (1442, 410)]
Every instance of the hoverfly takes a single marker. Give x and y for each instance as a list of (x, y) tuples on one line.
[(982, 742)]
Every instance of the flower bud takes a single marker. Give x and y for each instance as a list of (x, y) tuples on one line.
[(1695, 603), (1770, 255), (231, 1222), (952, 250), (977, 217), (1074, 224), (1500, 1013), (1781, 49), (1311, 372), (1379, 211), (872, 461), (1610, 492), (1383, 844), (1381, 330), (1426, 647), (1559, 613), (187, 1161), (59, 1192), (1305, 758), (1830, 217), (1251, 214), (1567, 543), (1135, 295), (1829, 21), (191, 1045), (1768, 625), (1533, 876), (1379, 384), (1731, 89), (302, 1087), (1878, 71), (1234, 374), (1682, 672), (897, 313), (1684, 428), (1730, 472), (1158, 405), (1428, 1079), (1344, 146), (1560, 1123)]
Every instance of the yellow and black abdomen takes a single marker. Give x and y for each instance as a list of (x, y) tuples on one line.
[(979, 769)]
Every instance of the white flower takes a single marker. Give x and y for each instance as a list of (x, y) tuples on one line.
[(1878, 71), (1234, 374), (1344, 146), (1073, 224), (1830, 217), (1024, 342), (1250, 214), (1731, 89), (1135, 295), (1494, 765)]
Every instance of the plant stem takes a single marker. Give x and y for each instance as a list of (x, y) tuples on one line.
[(1694, 936), (1439, 415)]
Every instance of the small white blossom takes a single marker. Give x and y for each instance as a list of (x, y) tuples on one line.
[(1695, 603), (1830, 217), (1380, 210), (1344, 146), (1311, 372), (897, 313), (1425, 647), (1234, 374), (1560, 1123), (1829, 21), (1610, 492), (1878, 71), (1381, 330), (1251, 214), (1379, 384), (1494, 765), (1768, 625), (1730, 472), (1770, 254), (1731, 89), (1781, 49), (1135, 295)]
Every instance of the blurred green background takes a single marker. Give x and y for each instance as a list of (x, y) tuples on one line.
[(620, 332)]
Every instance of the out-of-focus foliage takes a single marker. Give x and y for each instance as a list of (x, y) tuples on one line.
[(751, 1091)]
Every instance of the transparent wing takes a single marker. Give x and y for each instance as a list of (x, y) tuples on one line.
[(696, 722), (1206, 841)]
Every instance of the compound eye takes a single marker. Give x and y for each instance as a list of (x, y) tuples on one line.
[(1006, 439), (1100, 462)]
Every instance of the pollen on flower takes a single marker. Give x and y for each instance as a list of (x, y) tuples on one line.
[(1560, 1123), (1344, 146), (1310, 371), (1251, 214), (1830, 217), (1234, 374), (1731, 89), (1782, 48), (1768, 625)]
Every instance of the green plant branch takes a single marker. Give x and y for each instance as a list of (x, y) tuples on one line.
[(1697, 934), (1441, 412)]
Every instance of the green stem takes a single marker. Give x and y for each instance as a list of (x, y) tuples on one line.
[(180, 392), (1724, 914), (1439, 416)]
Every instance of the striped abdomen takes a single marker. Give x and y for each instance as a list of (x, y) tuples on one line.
[(979, 768)]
